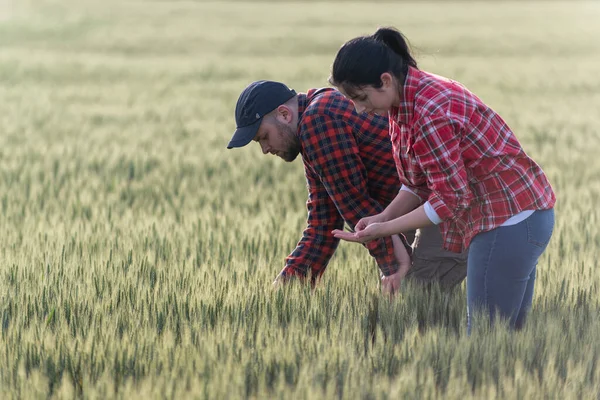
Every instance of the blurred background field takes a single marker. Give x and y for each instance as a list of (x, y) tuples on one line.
[(137, 253)]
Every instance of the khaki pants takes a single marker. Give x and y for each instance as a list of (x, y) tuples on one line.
[(431, 263)]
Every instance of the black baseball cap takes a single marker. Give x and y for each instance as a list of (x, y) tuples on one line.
[(256, 101)]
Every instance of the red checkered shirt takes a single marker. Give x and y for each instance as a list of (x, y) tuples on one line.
[(350, 174), (457, 153)]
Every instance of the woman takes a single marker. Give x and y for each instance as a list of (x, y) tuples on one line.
[(461, 167)]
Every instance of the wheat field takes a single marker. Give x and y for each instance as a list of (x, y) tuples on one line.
[(137, 252)]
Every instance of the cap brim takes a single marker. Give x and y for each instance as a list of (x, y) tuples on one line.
[(243, 136)]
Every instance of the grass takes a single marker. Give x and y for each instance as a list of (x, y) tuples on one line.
[(136, 252)]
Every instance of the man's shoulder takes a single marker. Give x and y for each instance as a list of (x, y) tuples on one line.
[(327, 102), (328, 105)]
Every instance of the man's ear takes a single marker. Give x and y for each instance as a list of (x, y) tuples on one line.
[(284, 114)]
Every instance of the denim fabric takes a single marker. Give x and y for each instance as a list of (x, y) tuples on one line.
[(501, 268)]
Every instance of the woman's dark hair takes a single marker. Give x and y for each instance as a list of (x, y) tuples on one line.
[(361, 61)]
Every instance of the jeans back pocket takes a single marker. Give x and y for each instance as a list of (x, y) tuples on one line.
[(540, 226)]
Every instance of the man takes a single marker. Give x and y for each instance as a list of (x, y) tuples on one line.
[(351, 174)]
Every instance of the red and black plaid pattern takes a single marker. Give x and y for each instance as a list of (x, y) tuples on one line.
[(350, 174), (453, 150)]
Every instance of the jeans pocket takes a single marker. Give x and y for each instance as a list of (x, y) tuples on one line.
[(540, 226)]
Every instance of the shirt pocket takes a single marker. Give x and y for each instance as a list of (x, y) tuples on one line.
[(413, 171)]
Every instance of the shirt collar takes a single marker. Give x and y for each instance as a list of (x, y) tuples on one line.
[(302, 104), (405, 110), (304, 99)]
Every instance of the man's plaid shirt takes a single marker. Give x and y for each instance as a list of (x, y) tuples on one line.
[(457, 153), (351, 174)]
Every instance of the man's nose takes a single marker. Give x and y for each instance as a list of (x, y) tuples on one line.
[(265, 147)]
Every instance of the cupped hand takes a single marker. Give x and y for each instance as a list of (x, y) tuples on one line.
[(366, 221), (370, 232)]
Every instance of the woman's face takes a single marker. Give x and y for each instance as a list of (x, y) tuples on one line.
[(374, 100)]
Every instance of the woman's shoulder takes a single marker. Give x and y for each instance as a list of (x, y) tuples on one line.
[(437, 86), (438, 94)]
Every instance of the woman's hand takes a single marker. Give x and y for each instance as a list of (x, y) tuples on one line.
[(366, 221), (373, 230), (370, 232)]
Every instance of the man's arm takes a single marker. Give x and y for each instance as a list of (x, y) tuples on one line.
[(317, 245), (332, 152)]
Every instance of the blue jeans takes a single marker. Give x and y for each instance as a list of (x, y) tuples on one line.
[(501, 268)]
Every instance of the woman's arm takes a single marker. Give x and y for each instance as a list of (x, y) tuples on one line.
[(404, 202), (413, 220)]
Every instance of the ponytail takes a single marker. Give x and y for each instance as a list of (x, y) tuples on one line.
[(361, 61), (397, 42)]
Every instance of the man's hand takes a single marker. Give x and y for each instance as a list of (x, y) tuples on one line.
[(390, 284), (286, 278), (279, 281)]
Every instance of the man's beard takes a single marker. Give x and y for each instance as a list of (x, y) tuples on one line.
[(291, 142)]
